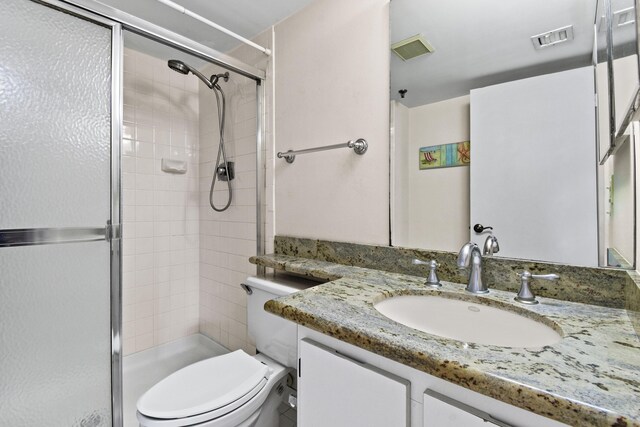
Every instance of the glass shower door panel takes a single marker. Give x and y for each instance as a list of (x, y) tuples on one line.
[(55, 174), (55, 344), (55, 86)]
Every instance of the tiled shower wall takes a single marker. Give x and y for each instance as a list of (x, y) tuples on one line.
[(160, 210), (228, 239), (182, 261)]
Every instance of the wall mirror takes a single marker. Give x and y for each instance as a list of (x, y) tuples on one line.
[(501, 115)]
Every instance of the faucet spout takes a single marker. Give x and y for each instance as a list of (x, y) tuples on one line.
[(470, 257), (491, 245)]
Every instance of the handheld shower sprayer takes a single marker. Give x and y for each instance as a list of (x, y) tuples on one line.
[(185, 69), (224, 170)]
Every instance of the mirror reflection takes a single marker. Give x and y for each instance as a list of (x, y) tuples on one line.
[(498, 133)]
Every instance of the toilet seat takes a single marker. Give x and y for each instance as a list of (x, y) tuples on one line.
[(205, 390)]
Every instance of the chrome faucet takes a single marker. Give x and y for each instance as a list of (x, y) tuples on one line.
[(491, 245), (470, 256)]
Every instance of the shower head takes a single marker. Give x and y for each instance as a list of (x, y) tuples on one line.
[(178, 66), (183, 68)]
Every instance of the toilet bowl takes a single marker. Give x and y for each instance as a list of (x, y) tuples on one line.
[(234, 389)]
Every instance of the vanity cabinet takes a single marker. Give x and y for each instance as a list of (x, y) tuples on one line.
[(335, 390), (340, 384)]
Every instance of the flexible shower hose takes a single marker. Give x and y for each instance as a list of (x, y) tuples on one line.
[(221, 117)]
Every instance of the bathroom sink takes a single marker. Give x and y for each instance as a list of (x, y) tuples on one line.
[(467, 321)]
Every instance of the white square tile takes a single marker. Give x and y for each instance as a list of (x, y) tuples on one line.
[(144, 261), (177, 80), (146, 166), (144, 342), (144, 213), (162, 290), (144, 277), (144, 116), (144, 197), (144, 309), (144, 182), (144, 133), (144, 149), (142, 294), (144, 229), (162, 134), (144, 326), (128, 113)]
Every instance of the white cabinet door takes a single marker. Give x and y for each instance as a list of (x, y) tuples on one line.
[(441, 411), (337, 391)]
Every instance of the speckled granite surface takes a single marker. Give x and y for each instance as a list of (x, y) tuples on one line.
[(633, 300), (600, 286), (592, 377)]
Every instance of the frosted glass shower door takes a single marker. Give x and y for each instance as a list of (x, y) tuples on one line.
[(56, 197)]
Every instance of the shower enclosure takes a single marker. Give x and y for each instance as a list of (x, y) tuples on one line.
[(61, 112)]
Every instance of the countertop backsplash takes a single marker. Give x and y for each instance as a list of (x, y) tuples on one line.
[(605, 287)]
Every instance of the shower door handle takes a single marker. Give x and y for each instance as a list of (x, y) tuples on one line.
[(48, 236)]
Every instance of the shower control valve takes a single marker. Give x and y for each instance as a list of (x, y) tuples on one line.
[(226, 171)]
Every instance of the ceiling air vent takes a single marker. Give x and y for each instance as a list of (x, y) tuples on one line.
[(621, 18), (412, 47), (552, 38)]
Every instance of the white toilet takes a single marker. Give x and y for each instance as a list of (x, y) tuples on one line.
[(235, 389)]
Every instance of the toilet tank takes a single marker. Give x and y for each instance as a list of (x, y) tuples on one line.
[(273, 335)]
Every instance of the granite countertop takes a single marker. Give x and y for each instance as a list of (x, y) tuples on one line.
[(591, 377)]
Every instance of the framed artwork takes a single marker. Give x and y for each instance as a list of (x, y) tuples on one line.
[(445, 155)]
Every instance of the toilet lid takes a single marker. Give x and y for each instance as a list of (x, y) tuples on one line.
[(204, 386)]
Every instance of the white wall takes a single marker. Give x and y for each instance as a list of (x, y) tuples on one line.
[(331, 85), (399, 175), (438, 199), (160, 210)]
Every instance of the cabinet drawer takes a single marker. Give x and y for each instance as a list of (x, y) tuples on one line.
[(443, 411)]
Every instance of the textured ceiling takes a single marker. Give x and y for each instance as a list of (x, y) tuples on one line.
[(477, 43)]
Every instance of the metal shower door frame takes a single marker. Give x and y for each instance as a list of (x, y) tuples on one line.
[(119, 21)]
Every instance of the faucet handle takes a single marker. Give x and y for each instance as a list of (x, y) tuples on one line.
[(432, 280), (525, 295), (552, 276)]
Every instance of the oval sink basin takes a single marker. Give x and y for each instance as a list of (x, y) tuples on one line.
[(467, 321)]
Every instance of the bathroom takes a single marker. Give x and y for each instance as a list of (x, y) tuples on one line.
[(325, 81)]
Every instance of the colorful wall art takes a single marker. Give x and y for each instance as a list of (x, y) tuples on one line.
[(445, 155)]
